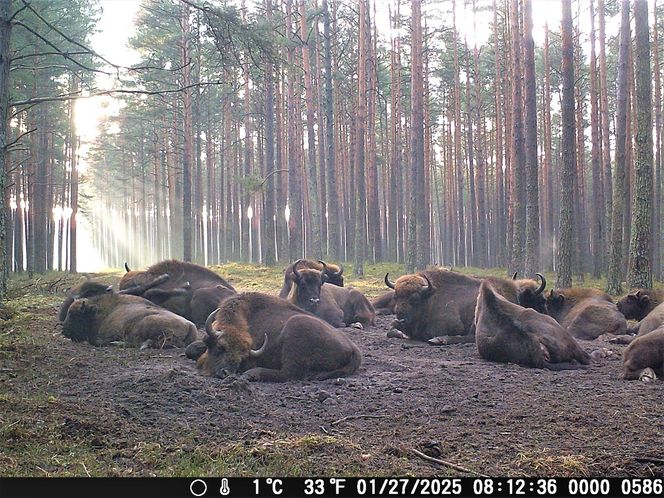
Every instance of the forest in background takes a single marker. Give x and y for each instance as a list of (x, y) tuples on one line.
[(278, 129)]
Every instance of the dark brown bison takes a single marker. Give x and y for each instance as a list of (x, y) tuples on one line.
[(646, 351), (180, 294), (132, 320), (339, 306), (90, 288), (508, 333), (440, 302), (585, 313), (645, 305), (269, 339), (384, 304), (334, 273)]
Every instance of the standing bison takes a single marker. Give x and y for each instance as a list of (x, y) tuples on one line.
[(439, 302), (645, 305), (333, 272), (108, 317), (338, 306), (192, 291), (508, 333), (585, 313), (269, 339)]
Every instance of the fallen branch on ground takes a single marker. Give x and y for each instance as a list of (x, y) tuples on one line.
[(356, 416), (447, 464)]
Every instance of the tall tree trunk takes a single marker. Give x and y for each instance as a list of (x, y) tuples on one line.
[(458, 156), (657, 197), (604, 115), (615, 272), (361, 117), (419, 215), (640, 271), (532, 261), (568, 169), (295, 241), (517, 159), (314, 210), (333, 226), (187, 158), (597, 215), (269, 253)]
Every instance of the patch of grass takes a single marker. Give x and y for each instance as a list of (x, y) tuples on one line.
[(542, 462)]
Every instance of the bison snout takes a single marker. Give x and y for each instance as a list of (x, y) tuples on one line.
[(222, 372), (314, 300)]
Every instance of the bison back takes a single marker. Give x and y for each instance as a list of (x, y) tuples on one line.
[(311, 349)]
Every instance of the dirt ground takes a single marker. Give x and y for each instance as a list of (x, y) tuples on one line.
[(73, 409)]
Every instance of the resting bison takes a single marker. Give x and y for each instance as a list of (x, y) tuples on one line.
[(384, 304), (269, 339), (439, 302), (334, 274), (646, 351), (339, 306), (113, 317), (89, 289), (645, 305), (508, 333), (585, 313), (180, 294)]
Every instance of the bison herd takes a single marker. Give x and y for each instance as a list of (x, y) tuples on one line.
[(295, 336)]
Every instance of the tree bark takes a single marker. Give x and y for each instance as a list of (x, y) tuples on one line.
[(568, 169), (640, 270)]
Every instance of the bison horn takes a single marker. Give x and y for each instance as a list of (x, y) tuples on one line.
[(515, 274), (127, 267), (429, 288), (208, 324), (255, 353), (329, 272), (543, 284), (296, 272), (388, 282)]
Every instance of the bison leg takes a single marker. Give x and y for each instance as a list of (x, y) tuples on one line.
[(261, 374), (139, 290), (446, 340)]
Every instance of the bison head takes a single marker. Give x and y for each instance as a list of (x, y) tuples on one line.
[(555, 301), (227, 348), (529, 293), (85, 290), (334, 274), (308, 283), (637, 305), (411, 293), (79, 324)]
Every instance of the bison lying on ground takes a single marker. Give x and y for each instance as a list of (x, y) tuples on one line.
[(269, 339), (339, 306), (90, 288), (509, 333), (440, 302), (585, 313), (334, 274), (646, 305), (110, 317), (181, 293), (646, 351), (384, 304)]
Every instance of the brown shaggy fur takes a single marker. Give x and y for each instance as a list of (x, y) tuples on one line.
[(111, 317), (299, 345), (646, 351), (637, 305), (585, 313), (508, 333), (332, 278), (384, 304), (180, 294)]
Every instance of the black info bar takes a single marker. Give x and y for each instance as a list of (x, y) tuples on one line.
[(325, 487)]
